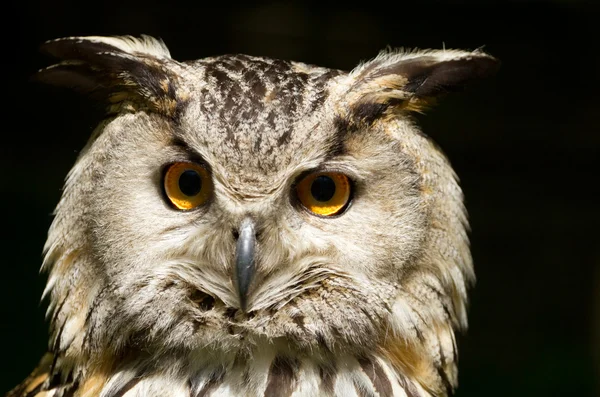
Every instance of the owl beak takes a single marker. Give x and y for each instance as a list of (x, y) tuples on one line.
[(244, 259)]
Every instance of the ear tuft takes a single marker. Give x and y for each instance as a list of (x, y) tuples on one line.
[(116, 69), (412, 80), (70, 47)]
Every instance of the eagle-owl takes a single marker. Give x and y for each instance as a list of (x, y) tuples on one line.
[(246, 226)]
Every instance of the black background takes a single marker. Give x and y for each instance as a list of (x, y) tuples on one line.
[(525, 145)]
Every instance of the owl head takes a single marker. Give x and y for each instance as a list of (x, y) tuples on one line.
[(238, 203)]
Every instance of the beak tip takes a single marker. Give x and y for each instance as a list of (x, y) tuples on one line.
[(243, 304), (243, 296)]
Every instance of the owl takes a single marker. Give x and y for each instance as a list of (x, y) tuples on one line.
[(247, 226)]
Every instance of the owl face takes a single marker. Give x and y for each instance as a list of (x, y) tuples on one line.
[(235, 200)]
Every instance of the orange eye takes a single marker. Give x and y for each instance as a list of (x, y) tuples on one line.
[(187, 185), (324, 193)]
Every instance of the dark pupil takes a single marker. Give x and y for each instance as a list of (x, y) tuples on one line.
[(190, 183), (323, 188)]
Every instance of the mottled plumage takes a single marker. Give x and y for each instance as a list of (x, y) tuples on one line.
[(147, 299)]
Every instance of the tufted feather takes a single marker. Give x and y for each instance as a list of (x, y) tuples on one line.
[(411, 80), (117, 69)]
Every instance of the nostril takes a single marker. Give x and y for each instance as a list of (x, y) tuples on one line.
[(236, 233)]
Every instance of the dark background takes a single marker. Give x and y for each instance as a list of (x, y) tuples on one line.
[(525, 144)]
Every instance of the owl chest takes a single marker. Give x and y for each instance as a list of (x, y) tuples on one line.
[(268, 377)]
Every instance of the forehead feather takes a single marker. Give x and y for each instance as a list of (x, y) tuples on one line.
[(257, 114)]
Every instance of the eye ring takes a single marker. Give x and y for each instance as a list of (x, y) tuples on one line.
[(325, 193), (187, 185)]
